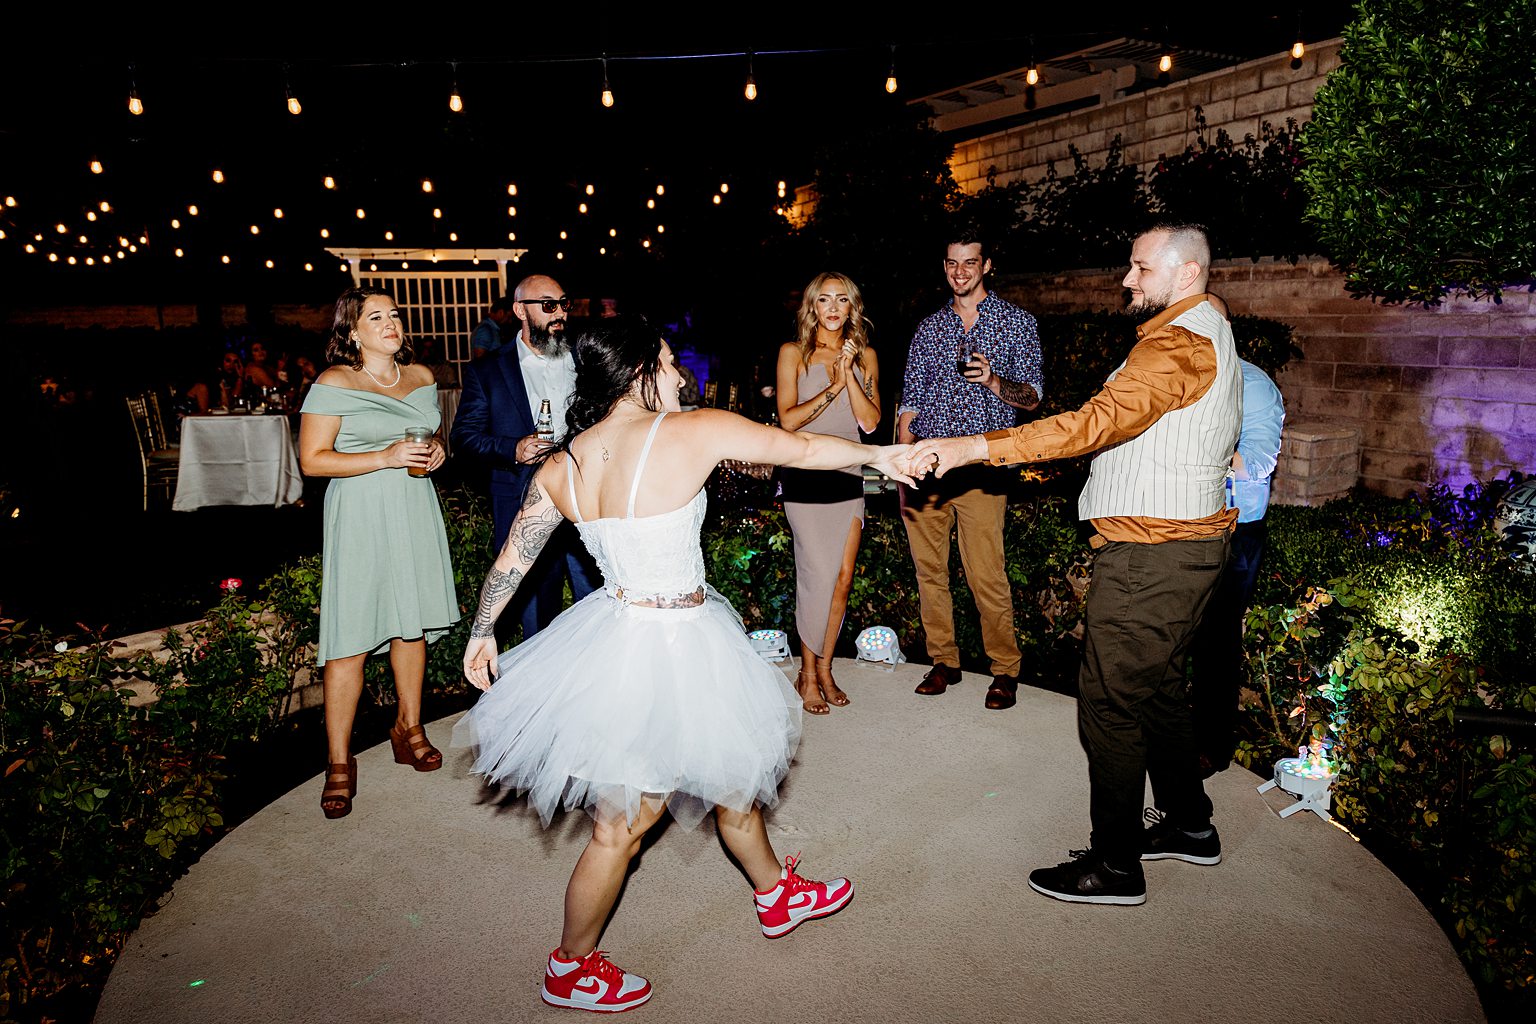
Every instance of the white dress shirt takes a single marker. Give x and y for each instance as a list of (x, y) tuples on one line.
[(551, 377)]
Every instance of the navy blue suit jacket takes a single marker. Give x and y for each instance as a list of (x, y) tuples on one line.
[(493, 416)]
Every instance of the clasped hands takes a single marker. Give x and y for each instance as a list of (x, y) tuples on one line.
[(938, 456)]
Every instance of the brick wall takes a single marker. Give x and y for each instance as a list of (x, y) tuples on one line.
[(1154, 123), (314, 318), (1446, 395)]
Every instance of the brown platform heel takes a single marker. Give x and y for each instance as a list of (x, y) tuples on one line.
[(412, 747), (340, 788)]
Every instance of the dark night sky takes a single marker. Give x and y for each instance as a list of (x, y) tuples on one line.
[(376, 117)]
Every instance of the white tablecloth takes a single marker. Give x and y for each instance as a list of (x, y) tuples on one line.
[(237, 460)]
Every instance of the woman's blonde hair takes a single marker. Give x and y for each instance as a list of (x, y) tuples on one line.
[(855, 328)]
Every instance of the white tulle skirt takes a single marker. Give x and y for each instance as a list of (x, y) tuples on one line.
[(613, 702)]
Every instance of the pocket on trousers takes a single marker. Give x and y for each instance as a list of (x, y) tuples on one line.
[(1199, 566)]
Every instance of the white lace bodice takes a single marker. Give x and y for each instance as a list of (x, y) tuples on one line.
[(645, 557)]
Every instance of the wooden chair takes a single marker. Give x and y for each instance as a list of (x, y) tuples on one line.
[(158, 461)]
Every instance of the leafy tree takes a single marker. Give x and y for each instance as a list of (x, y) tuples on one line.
[(1421, 162)]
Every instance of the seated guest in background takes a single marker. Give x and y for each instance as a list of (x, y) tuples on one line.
[(259, 371), (487, 336), (828, 384), (224, 386)]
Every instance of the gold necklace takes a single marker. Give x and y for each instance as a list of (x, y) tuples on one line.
[(399, 372)]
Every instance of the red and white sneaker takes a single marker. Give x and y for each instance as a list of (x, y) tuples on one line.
[(781, 909), (592, 983)]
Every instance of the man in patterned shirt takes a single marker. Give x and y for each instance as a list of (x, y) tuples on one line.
[(970, 366)]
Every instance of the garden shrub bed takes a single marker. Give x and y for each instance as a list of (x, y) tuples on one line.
[(1376, 622)]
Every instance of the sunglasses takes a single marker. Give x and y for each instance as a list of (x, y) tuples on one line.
[(547, 305)]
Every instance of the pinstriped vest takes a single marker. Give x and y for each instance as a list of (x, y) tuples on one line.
[(1176, 468)]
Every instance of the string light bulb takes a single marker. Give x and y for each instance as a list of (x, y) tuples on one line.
[(90, 215), (512, 190), (1032, 76), (192, 210), (890, 79), (1298, 50), (453, 236), (329, 182), (179, 253), (582, 208), (269, 264), (389, 236), (278, 213), (325, 232), (607, 92), (426, 184), (218, 176), (751, 89), (724, 187), (361, 213), (455, 101), (10, 201), (96, 167), (103, 206), (591, 189), (661, 190), (309, 266), (650, 204), (175, 223), (223, 259), (135, 105), (294, 107), (437, 214)]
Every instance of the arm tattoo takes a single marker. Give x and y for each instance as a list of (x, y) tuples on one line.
[(498, 585), (530, 535), (869, 389), (1017, 394), (826, 400)]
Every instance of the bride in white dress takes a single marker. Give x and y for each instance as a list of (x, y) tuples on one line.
[(646, 695)]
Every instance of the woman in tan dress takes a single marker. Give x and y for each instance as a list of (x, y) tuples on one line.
[(828, 383)]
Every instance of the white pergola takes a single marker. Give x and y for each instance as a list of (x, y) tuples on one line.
[(441, 292)]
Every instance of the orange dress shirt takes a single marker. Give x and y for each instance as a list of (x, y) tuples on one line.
[(1168, 368)]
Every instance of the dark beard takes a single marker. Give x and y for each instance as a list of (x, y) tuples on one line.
[(546, 342)]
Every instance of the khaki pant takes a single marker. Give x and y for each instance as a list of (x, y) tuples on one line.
[(972, 500)]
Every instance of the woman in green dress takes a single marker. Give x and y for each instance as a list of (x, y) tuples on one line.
[(386, 576)]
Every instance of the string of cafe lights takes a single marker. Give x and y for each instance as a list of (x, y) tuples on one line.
[(607, 97), (106, 253), (59, 237)]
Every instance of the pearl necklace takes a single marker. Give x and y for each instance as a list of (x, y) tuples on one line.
[(399, 372)]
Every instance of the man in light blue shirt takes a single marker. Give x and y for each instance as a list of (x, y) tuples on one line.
[(1217, 649)]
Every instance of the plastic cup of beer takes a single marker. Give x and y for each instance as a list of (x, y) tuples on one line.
[(421, 435)]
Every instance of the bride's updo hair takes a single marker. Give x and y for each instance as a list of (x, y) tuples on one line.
[(610, 356)]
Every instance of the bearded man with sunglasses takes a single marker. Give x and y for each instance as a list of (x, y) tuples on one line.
[(495, 425)]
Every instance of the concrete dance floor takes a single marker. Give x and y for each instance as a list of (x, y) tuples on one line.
[(437, 900)]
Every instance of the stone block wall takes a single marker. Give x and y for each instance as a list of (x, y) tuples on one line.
[(1444, 395), (1152, 124), (311, 318)]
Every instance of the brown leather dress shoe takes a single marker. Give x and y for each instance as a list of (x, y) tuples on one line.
[(938, 679), (1003, 693)]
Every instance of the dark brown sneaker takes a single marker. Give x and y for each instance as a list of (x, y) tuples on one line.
[(938, 679), (1003, 693)]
